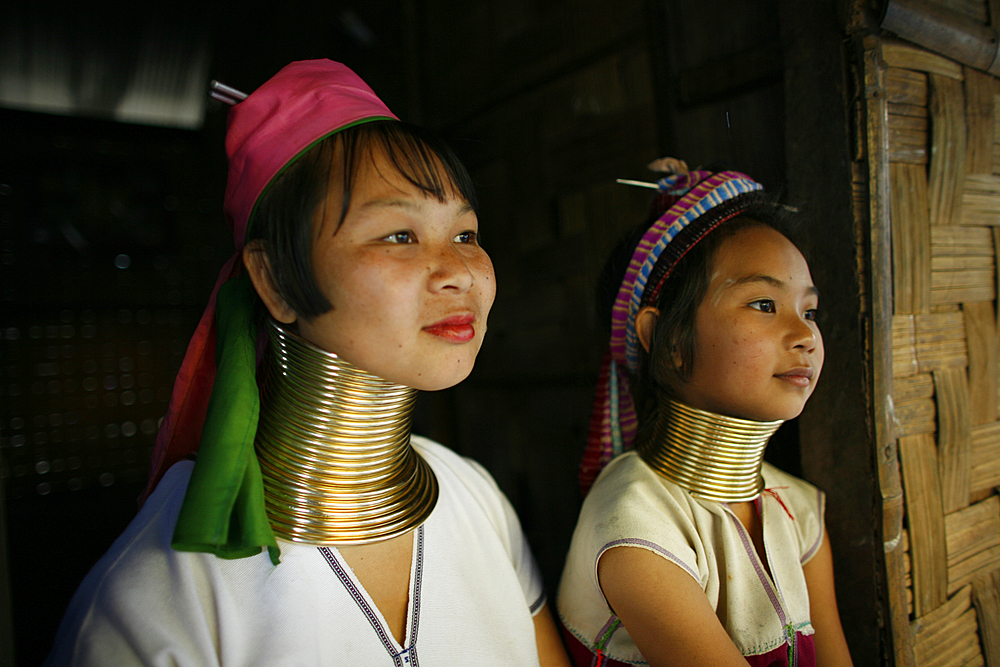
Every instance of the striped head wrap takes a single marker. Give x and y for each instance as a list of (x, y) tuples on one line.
[(695, 203)]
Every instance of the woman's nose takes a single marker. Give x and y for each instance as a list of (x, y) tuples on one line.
[(450, 270)]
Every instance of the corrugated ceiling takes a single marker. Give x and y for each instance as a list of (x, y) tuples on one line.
[(144, 65)]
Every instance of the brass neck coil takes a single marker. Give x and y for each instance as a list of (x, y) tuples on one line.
[(333, 442), (714, 457)]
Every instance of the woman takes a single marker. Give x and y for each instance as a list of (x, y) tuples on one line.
[(313, 529)]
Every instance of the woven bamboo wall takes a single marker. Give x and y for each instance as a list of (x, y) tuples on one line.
[(944, 183)]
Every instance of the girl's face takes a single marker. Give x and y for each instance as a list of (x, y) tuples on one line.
[(410, 286), (758, 352)]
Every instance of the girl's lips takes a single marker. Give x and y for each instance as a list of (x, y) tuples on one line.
[(800, 377), (456, 329)]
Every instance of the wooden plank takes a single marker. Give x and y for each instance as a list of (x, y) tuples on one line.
[(903, 54), (996, 127), (979, 122), (986, 598), (965, 277), (879, 356), (915, 417), (912, 110), (996, 253), (911, 239), (913, 388), (966, 571), (984, 356), (951, 388), (947, 166), (961, 241), (904, 346), (940, 341), (928, 552), (972, 530), (962, 262), (909, 135), (903, 86), (953, 646), (915, 124), (933, 629), (985, 461), (981, 199)]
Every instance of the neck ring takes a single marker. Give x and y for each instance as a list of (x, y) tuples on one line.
[(333, 443), (714, 457)]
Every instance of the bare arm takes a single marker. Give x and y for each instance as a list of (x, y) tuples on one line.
[(664, 610), (551, 652), (831, 646)]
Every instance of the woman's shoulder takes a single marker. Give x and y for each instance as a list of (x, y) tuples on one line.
[(447, 462), (461, 480)]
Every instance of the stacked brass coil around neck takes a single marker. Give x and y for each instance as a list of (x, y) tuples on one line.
[(714, 457), (333, 442)]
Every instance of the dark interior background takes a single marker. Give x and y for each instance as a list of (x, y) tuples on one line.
[(112, 232)]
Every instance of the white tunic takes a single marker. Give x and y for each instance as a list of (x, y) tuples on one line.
[(631, 505), (474, 587)]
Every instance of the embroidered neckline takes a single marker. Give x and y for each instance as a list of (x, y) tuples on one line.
[(407, 656)]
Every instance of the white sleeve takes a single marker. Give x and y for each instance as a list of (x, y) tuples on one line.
[(139, 605), (508, 526)]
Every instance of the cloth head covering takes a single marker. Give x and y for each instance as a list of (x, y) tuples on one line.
[(214, 405), (695, 203)]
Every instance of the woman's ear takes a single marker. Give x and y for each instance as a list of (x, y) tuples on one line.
[(259, 269), (645, 323)]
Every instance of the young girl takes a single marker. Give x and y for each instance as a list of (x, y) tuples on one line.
[(312, 529), (689, 549)]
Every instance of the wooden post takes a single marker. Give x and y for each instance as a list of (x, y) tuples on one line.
[(847, 415)]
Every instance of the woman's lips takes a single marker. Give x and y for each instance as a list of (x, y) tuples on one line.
[(456, 329), (800, 377)]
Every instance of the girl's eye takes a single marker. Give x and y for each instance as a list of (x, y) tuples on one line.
[(467, 236), (400, 237), (811, 314), (764, 306)]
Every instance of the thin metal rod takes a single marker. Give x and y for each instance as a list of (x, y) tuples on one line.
[(224, 93), (641, 184)]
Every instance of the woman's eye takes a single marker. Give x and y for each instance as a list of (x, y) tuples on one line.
[(811, 314), (764, 305), (467, 236), (400, 237)]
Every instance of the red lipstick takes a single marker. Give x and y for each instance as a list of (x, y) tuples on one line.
[(455, 329)]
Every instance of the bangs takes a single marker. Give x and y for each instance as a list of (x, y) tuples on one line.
[(417, 155)]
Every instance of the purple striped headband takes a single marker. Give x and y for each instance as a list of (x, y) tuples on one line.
[(699, 191), (613, 419)]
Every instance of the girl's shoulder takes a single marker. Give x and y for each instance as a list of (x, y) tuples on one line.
[(630, 500), (799, 501), (797, 493)]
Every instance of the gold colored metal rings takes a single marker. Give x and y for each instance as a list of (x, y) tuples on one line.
[(333, 442), (714, 457)]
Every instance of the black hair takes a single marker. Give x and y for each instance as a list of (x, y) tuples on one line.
[(283, 217), (683, 290)]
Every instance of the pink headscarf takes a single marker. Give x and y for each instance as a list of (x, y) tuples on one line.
[(303, 103)]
